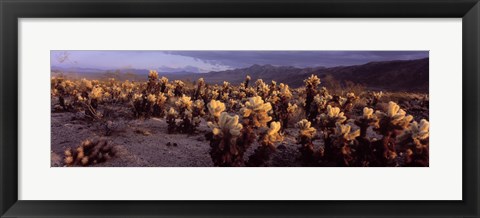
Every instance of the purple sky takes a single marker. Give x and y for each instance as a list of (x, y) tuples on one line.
[(205, 61)]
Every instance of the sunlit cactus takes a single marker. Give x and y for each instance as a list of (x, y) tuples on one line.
[(197, 112), (267, 142), (285, 92), (226, 126), (306, 134), (179, 85), (391, 122), (226, 149), (200, 89), (393, 118), (184, 103), (225, 96), (85, 85), (215, 108), (152, 75), (256, 111), (96, 94), (311, 84), (272, 135), (367, 119), (159, 105), (232, 105), (163, 82), (262, 88), (342, 148), (348, 102), (331, 117), (291, 108), (90, 152), (374, 98), (152, 99), (189, 121), (313, 81), (414, 141), (247, 80), (344, 132), (171, 120)]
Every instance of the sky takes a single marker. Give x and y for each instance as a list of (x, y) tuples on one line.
[(206, 61)]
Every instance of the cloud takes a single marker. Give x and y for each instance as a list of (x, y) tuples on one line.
[(298, 58), (216, 60)]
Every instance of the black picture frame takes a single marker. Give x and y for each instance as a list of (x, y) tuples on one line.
[(12, 10)]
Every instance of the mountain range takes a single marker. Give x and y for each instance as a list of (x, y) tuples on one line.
[(397, 75)]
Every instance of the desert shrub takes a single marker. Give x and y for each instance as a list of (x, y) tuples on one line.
[(90, 152)]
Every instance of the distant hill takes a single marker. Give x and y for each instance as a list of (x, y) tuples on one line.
[(410, 75), (400, 75)]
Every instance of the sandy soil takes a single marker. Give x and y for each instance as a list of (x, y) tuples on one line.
[(145, 143)]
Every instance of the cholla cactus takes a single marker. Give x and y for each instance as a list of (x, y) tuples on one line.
[(152, 99), (291, 108), (179, 85), (227, 148), (90, 152), (85, 85), (163, 84), (97, 93), (152, 84), (200, 90), (226, 126), (319, 105), (375, 98), (312, 81), (197, 112), (285, 92), (189, 121), (331, 117), (305, 129), (311, 88), (262, 88), (184, 103), (349, 101), (391, 122), (343, 138), (343, 133), (158, 107), (153, 75), (232, 105), (368, 119), (394, 118), (225, 86), (171, 120), (414, 141), (146, 105), (215, 108), (267, 145), (256, 112), (272, 135), (306, 134), (247, 80)]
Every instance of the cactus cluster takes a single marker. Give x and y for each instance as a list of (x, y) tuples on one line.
[(90, 152), (331, 128)]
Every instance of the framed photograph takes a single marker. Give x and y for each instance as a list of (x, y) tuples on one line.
[(227, 108)]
